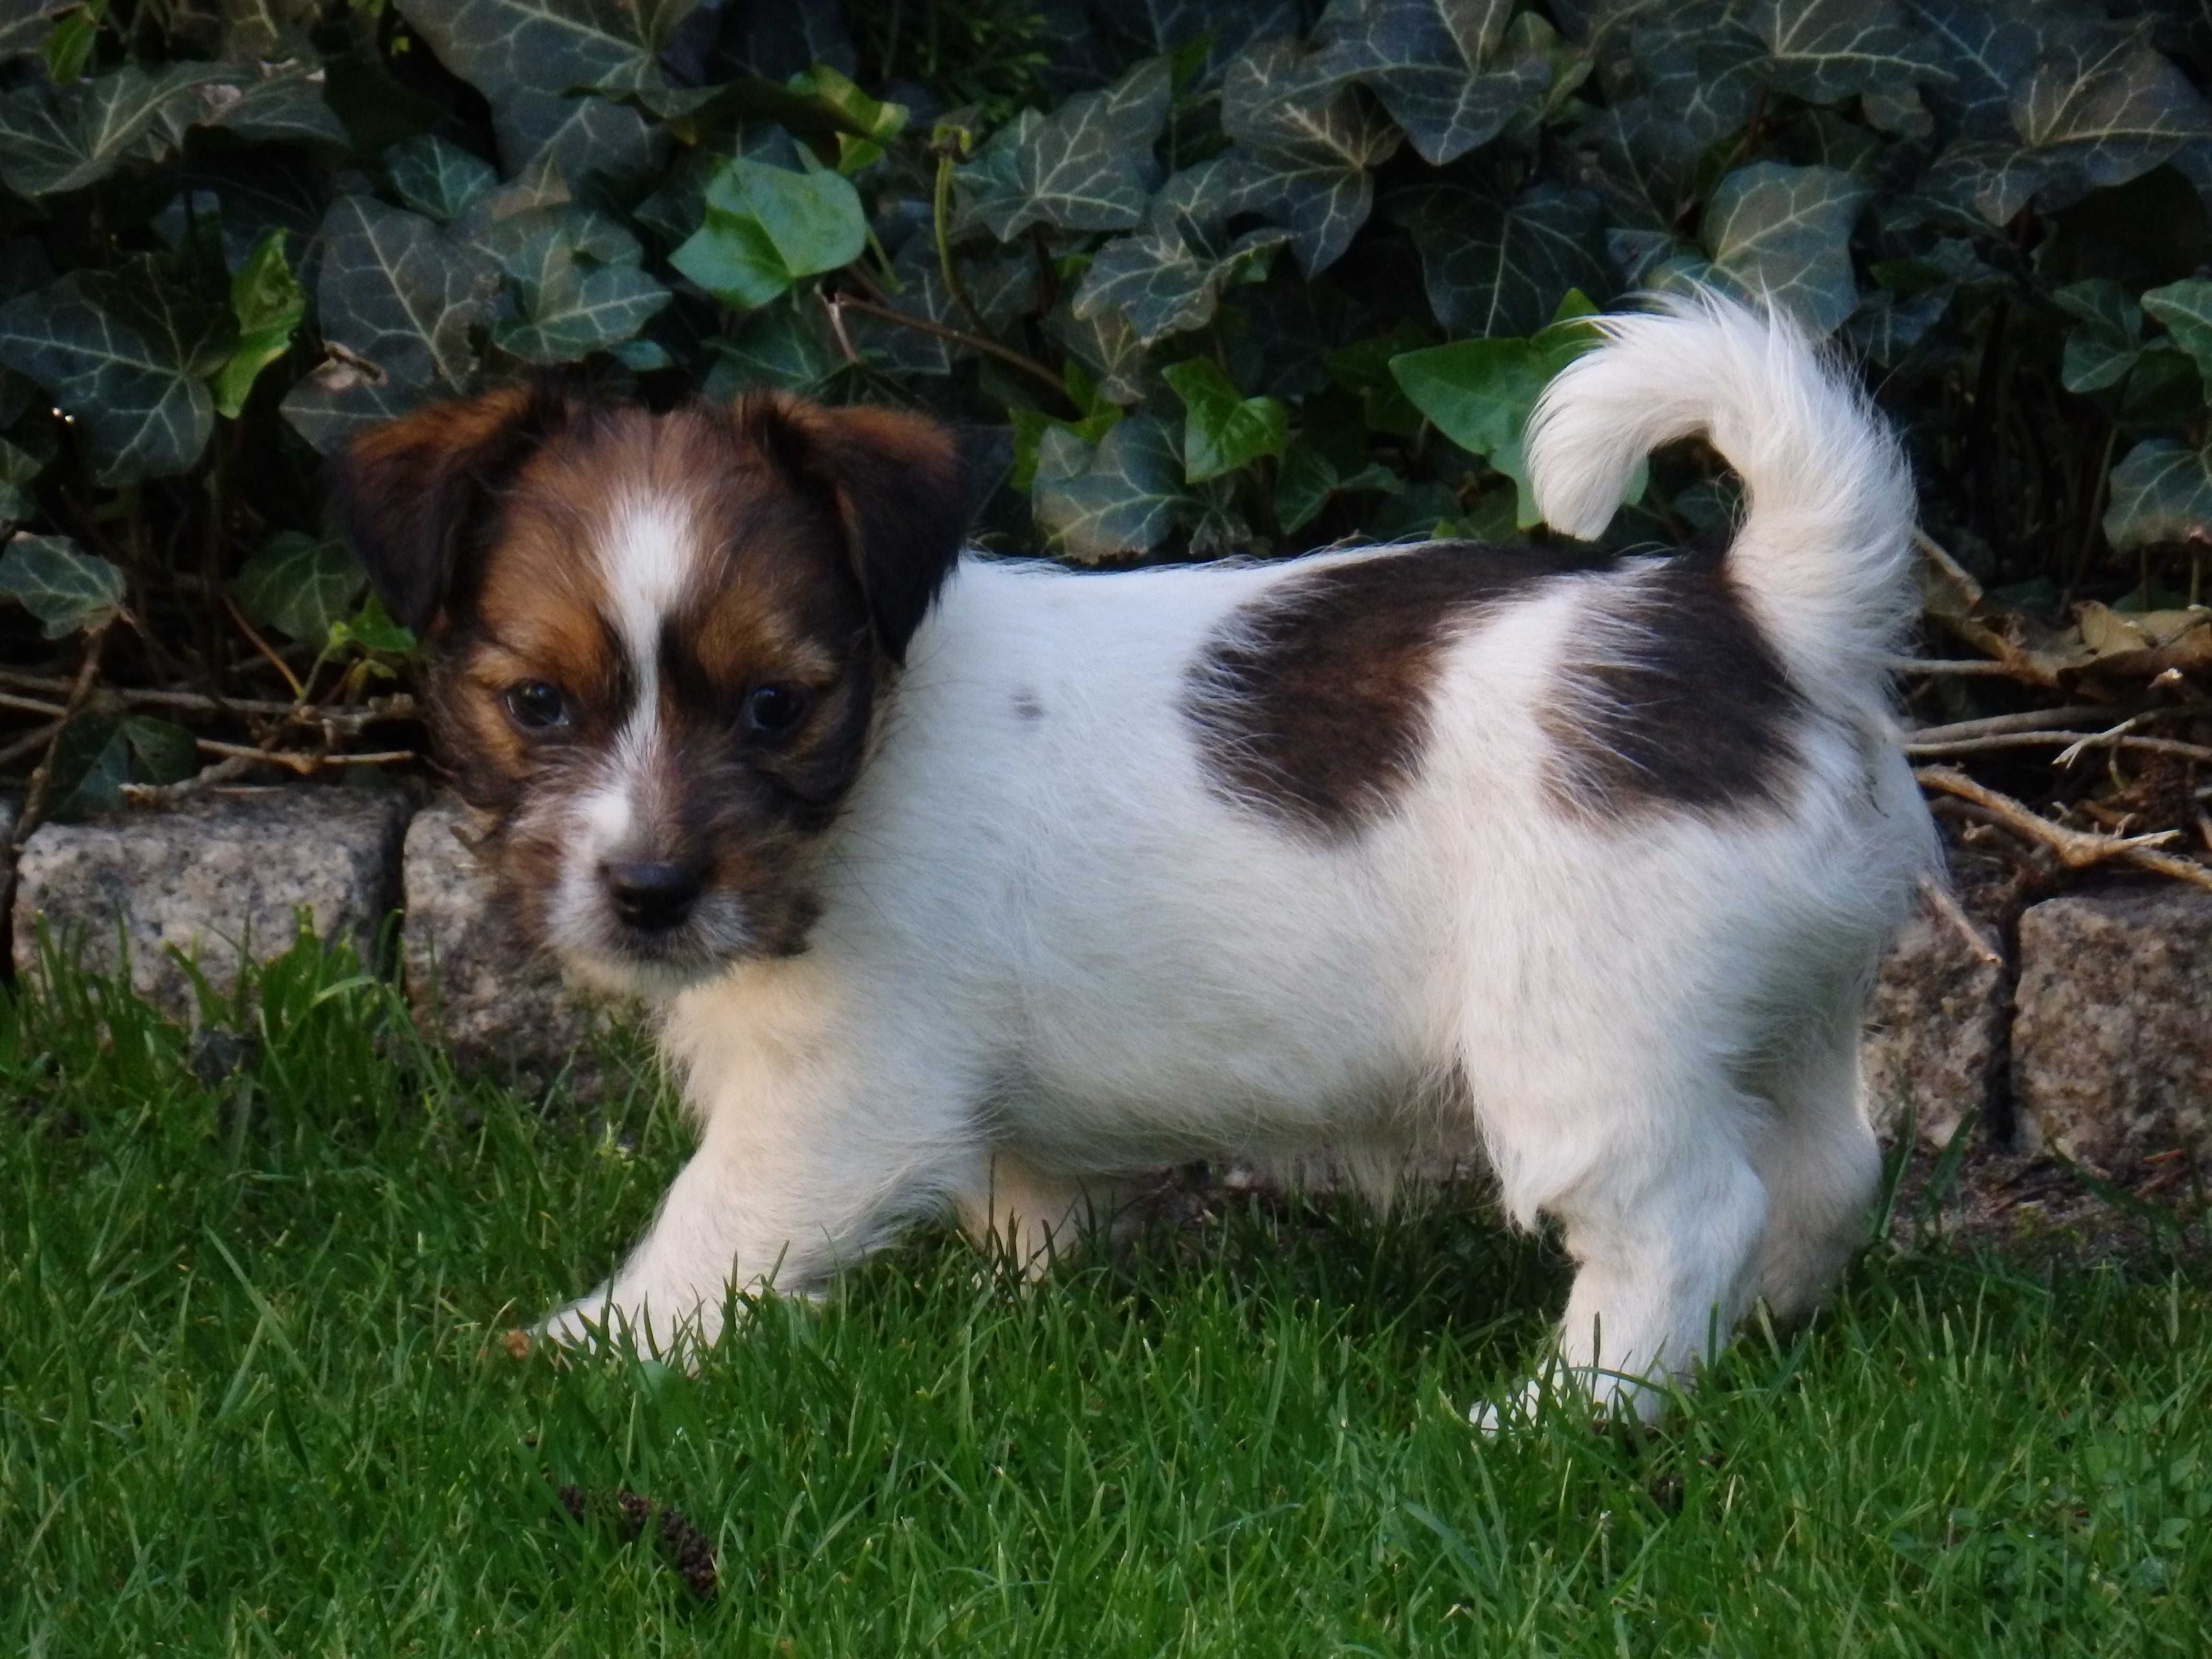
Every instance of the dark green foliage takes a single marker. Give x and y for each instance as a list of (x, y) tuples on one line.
[(1242, 277)]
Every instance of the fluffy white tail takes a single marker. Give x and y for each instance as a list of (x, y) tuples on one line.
[(1823, 555)]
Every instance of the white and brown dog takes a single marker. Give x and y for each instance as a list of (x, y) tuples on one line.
[(968, 882)]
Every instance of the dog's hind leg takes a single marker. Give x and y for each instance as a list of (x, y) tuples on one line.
[(1031, 1214), (1662, 1213), (1821, 1163)]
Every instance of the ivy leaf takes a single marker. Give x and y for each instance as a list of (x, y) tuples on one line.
[(1226, 26), (1993, 179), (26, 24), (1644, 165), (18, 468), (438, 178), (2107, 345), (1170, 277), (921, 294), (1106, 344), (2161, 492), (1088, 166), (767, 227), (779, 345), (1985, 47), (1430, 62), (867, 124), (2185, 309), (1310, 154), (57, 138), (1123, 498), (576, 280), (1824, 50), (1222, 429), (527, 55), (1363, 369), (1320, 464), (161, 751), (1783, 233), (283, 104), (264, 30), (67, 48), (1700, 67), (128, 358), (1218, 529), (341, 398), (298, 584), (1887, 327), (576, 138), (1481, 392), (97, 754), (2104, 110), (65, 587), (399, 296), (372, 628), (267, 303), (1494, 266)]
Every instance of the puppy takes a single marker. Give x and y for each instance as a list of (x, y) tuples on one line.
[(969, 882)]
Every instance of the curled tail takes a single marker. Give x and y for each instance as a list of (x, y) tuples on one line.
[(1823, 555)]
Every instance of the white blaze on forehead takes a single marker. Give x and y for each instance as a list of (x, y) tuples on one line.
[(645, 563)]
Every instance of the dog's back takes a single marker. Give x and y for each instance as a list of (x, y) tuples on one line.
[(1587, 855)]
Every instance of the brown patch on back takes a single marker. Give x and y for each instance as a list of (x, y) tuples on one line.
[(1311, 702), (1671, 699)]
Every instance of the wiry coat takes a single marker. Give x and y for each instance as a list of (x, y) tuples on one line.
[(1591, 854)]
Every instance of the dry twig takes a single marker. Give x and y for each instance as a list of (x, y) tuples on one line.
[(1941, 902), (343, 719), (836, 303), (2077, 849), (2116, 738), (2033, 720), (40, 790)]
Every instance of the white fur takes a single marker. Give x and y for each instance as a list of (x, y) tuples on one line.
[(1050, 954), (1824, 552)]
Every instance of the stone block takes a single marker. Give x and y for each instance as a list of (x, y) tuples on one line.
[(495, 1002), (2112, 1035), (1934, 1029), (214, 878)]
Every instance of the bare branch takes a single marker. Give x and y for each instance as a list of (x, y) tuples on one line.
[(2077, 849)]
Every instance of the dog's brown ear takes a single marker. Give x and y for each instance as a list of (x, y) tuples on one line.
[(902, 490), (406, 493)]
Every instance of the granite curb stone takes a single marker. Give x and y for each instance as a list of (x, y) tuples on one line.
[(495, 1002), (1934, 1031), (213, 878), (2111, 1033)]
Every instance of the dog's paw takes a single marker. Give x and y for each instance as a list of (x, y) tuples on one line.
[(587, 1322), (1561, 1395), (1523, 1411)]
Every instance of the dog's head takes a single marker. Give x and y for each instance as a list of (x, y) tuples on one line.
[(659, 643)]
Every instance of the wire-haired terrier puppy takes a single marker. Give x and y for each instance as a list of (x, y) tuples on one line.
[(975, 881)]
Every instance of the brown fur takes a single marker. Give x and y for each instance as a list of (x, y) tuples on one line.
[(1699, 717), (1311, 704), (815, 539)]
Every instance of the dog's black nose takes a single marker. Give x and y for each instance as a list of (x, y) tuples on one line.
[(652, 896)]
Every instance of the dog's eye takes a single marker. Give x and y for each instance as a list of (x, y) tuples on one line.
[(774, 710), (535, 706)]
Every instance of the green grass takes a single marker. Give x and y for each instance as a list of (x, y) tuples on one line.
[(246, 1406)]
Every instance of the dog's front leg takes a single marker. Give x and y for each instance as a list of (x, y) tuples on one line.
[(770, 1201)]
